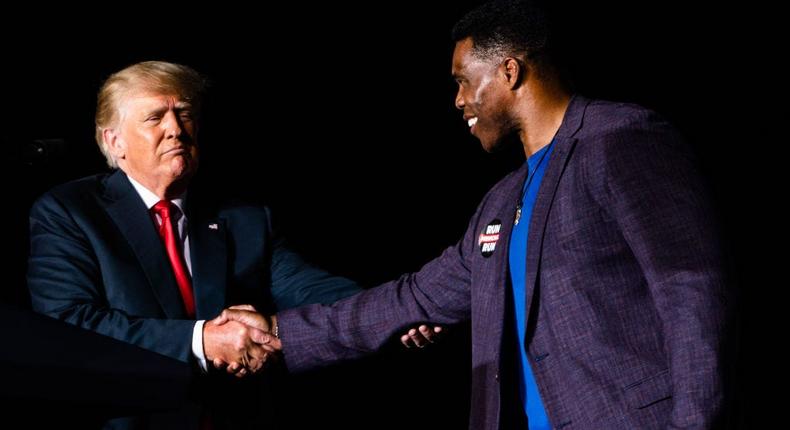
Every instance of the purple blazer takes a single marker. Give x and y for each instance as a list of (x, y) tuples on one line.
[(626, 290)]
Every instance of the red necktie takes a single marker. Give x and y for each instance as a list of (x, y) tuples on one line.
[(163, 209)]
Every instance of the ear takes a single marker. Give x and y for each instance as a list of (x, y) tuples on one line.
[(513, 72), (115, 145)]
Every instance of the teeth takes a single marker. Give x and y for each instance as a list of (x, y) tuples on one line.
[(472, 121)]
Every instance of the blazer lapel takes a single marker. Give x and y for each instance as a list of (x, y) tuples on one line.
[(507, 215), (130, 215), (209, 265), (564, 142)]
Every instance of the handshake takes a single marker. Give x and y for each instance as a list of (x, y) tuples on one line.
[(241, 340)]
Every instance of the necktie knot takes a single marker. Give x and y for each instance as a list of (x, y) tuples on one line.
[(163, 208)]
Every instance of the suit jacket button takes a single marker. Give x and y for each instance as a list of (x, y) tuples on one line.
[(496, 376)]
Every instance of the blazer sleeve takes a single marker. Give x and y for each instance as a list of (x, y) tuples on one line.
[(65, 282), (652, 190), (439, 292)]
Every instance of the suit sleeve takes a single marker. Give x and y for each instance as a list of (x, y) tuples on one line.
[(65, 282), (657, 198), (297, 283), (361, 324)]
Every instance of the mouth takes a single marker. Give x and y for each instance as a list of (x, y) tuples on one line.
[(470, 121), (175, 151)]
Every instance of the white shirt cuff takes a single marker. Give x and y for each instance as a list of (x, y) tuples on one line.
[(197, 345)]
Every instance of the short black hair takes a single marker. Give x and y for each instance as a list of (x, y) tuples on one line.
[(505, 27)]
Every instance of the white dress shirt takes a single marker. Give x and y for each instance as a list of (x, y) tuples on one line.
[(150, 199)]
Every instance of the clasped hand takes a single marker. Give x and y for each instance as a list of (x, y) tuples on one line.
[(241, 340)]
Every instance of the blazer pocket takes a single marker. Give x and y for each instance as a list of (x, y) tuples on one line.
[(644, 393)]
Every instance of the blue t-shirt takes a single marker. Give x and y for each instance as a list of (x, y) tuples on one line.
[(528, 389)]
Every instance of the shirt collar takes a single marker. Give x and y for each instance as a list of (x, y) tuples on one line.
[(150, 199)]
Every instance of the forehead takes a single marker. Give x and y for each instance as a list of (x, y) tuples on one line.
[(465, 62), (461, 54), (141, 100)]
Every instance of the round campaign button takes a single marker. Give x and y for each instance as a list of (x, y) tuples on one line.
[(489, 237)]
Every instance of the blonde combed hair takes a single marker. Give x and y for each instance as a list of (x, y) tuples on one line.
[(155, 76)]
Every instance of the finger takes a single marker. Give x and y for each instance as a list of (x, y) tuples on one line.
[(244, 308), (261, 355), (241, 373), (233, 367), (417, 338), (218, 363), (426, 333), (406, 341), (269, 350), (257, 365), (248, 318), (222, 318), (219, 320), (263, 338)]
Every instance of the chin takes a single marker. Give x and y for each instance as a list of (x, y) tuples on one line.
[(491, 146), (500, 142), (183, 169)]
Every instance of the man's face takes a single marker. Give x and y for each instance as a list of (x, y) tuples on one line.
[(155, 139), (482, 95)]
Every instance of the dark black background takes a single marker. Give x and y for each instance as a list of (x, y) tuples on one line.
[(341, 118)]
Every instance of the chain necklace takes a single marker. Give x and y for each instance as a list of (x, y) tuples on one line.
[(531, 175)]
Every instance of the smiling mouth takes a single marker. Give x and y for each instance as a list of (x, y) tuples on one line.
[(472, 121)]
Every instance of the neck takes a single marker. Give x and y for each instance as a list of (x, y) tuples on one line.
[(164, 191), (541, 114)]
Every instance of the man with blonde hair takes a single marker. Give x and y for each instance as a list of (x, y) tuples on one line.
[(138, 255)]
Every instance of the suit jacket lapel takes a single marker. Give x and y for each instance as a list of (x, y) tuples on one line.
[(209, 264), (564, 143), (130, 215), (507, 215)]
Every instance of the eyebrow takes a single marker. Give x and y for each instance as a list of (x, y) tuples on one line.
[(158, 110)]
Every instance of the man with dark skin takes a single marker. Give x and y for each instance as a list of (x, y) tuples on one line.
[(593, 275)]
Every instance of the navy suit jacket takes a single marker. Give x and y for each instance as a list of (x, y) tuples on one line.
[(626, 294), (97, 261)]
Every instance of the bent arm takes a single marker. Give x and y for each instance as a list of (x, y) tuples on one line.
[(65, 282), (440, 293)]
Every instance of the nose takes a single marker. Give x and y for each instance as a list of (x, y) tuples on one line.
[(459, 99), (172, 125)]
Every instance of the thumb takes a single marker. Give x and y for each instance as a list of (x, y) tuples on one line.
[(244, 308), (267, 339)]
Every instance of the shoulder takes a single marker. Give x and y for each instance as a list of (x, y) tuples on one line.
[(605, 118), (616, 130), (71, 194)]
